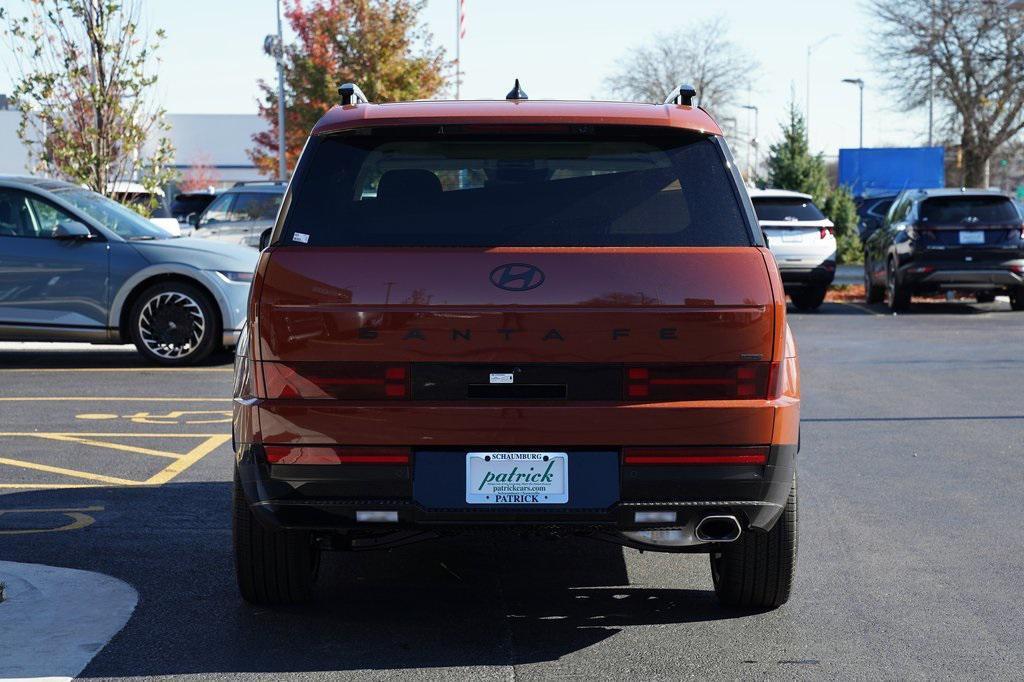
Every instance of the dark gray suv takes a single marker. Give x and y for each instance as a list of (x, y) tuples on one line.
[(76, 266)]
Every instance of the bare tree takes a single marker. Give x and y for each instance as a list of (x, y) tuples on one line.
[(701, 55), (84, 86), (970, 54)]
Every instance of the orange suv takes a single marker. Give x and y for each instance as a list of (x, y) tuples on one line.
[(516, 316)]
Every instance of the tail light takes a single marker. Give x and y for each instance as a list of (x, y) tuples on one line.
[(336, 380), (704, 455), (825, 231), (1019, 269), (309, 454), (733, 381)]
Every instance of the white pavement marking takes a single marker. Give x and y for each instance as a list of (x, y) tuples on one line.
[(54, 620)]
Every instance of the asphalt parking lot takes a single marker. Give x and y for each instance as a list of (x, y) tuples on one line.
[(910, 553)]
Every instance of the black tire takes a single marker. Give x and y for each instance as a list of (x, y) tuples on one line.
[(809, 298), (872, 292), (272, 566), (896, 293), (156, 324), (984, 297), (1017, 299), (756, 571)]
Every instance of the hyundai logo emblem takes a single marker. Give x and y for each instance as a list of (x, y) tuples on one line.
[(517, 277)]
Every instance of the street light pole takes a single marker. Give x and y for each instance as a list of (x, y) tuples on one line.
[(753, 142), (282, 164), (807, 103), (859, 82)]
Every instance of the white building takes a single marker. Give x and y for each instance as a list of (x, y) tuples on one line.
[(215, 143)]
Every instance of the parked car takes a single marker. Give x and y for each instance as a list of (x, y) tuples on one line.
[(187, 203), (76, 266), (242, 214), (550, 317), (152, 204), (871, 211), (938, 240), (802, 240)]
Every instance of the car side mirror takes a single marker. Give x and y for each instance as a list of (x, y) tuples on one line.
[(192, 219), (71, 230)]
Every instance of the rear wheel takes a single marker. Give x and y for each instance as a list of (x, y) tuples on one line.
[(809, 298), (872, 292), (984, 297), (896, 293), (757, 570), (272, 566), (1017, 298)]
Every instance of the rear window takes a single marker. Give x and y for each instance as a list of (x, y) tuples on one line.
[(561, 187), (780, 208), (976, 209)]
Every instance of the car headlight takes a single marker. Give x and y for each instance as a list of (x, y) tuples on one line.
[(236, 276)]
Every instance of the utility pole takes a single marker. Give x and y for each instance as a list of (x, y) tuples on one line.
[(752, 170), (807, 103), (860, 84), (282, 164), (460, 33)]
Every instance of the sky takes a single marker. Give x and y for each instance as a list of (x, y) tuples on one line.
[(564, 49)]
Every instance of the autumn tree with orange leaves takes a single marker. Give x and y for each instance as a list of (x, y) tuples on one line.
[(377, 44)]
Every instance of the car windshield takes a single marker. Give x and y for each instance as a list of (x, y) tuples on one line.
[(976, 209), (123, 221), (786, 208), (522, 187)]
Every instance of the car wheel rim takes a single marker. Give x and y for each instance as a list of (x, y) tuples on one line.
[(172, 325)]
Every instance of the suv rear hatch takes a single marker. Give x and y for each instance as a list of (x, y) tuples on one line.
[(986, 226), (503, 279)]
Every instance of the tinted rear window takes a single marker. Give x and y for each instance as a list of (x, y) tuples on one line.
[(786, 209), (463, 187), (992, 209)]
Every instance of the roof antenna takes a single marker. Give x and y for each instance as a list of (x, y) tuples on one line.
[(684, 96), (517, 92)]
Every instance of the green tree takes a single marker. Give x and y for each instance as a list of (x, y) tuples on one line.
[(790, 163), (841, 210), (792, 166), (378, 44), (84, 85)]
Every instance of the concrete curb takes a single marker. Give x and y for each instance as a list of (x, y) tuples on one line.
[(54, 620)]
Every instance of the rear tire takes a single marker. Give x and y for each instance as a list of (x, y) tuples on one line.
[(872, 292), (809, 298), (896, 293), (757, 570), (272, 566), (1017, 299)]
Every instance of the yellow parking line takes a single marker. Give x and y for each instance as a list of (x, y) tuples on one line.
[(111, 446), (68, 472), (13, 434), (7, 399), (188, 460), (120, 369)]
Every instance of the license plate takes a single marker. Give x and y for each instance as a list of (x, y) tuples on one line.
[(517, 478), (972, 237)]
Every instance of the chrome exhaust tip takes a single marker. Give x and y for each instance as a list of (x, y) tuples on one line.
[(718, 529)]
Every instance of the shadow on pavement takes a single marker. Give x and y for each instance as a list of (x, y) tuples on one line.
[(99, 357), (478, 600), (916, 308)]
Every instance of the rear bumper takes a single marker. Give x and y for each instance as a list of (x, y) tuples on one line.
[(958, 274), (326, 499), (801, 276)]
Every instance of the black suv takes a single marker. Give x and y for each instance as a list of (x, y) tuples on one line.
[(938, 240)]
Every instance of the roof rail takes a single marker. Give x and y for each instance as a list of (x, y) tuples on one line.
[(243, 183), (684, 96), (351, 94)]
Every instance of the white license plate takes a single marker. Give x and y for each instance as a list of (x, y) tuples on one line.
[(517, 478), (972, 237)]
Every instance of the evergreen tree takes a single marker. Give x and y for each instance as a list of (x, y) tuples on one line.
[(841, 210), (790, 163)]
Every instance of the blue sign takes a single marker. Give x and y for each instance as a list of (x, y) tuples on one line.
[(884, 168)]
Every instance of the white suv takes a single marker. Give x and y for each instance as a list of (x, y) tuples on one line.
[(802, 240)]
